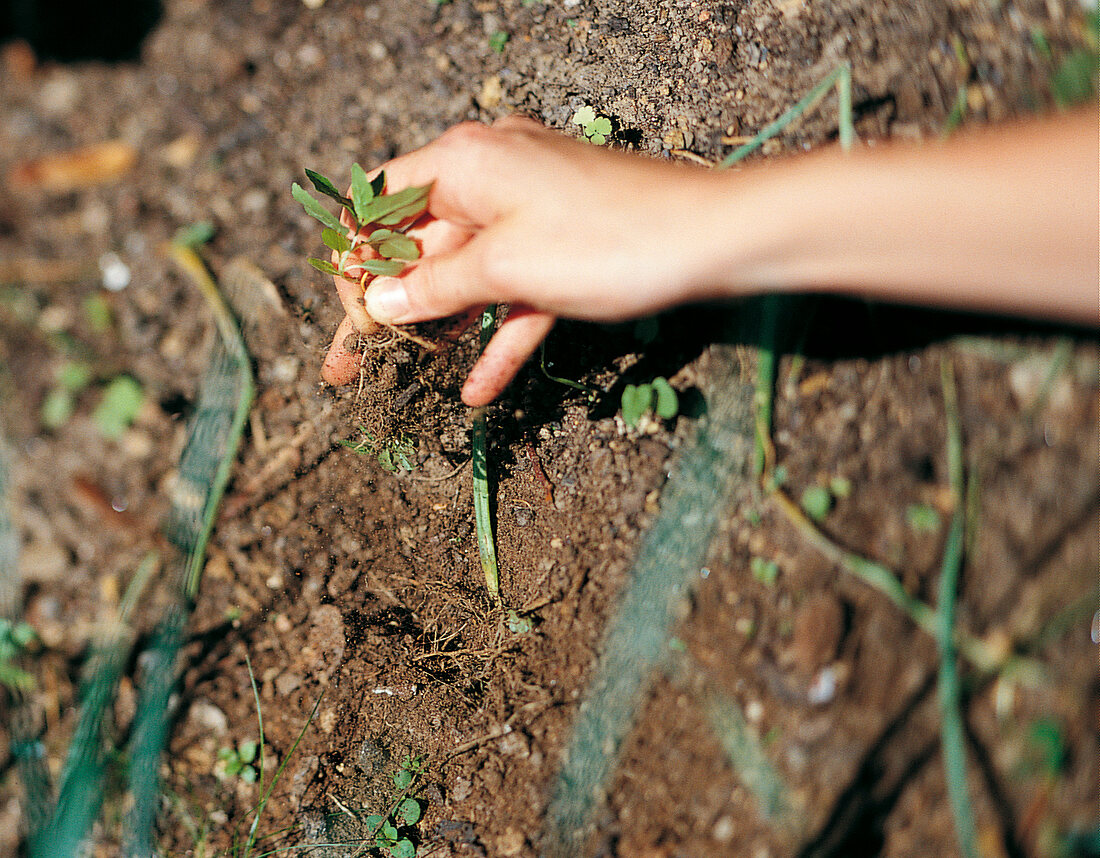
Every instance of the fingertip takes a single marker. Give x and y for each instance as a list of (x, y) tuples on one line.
[(340, 366)]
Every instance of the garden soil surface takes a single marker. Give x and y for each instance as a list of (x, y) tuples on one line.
[(348, 584)]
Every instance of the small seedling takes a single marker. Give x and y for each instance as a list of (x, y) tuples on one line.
[(922, 518), (393, 454), (15, 638), (392, 831), (817, 501), (122, 399), (518, 625), (596, 128), (498, 40), (764, 571), (841, 487), (238, 762), (380, 221), (60, 401), (657, 397)]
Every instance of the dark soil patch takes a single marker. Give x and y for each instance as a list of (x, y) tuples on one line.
[(337, 577)]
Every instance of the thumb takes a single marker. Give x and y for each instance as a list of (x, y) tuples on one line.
[(438, 286)]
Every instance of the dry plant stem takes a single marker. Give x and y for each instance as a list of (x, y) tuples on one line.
[(976, 651)]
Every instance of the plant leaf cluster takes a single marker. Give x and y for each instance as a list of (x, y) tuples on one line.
[(368, 206), (658, 396), (392, 831), (14, 640), (596, 128), (393, 454), (238, 762)]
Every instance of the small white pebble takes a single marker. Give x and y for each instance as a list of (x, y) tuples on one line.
[(823, 688), (116, 273)]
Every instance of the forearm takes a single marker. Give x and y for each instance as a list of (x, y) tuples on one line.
[(1004, 220)]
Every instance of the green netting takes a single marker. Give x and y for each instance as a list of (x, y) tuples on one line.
[(636, 640)]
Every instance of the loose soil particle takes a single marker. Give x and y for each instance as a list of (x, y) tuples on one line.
[(338, 578)]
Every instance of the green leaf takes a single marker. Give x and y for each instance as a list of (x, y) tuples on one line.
[(334, 240), (403, 848), (584, 117), (119, 406), (57, 408), (15, 677), (323, 265), (384, 267), (314, 209), (399, 247), (409, 811), (922, 518), (74, 377), (668, 403), (601, 125), (374, 820), (247, 751), (248, 774), (98, 313), (498, 40), (380, 235), (817, 502), (402, 778), (764, 571), (598, 139), (194, 235), (636, 401), (362, 193), (841, 487), (394, 208), (327, 188), (233, 766), (389, 831)]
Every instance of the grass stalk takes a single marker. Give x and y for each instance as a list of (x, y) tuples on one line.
[(952, 729), (483, 523)]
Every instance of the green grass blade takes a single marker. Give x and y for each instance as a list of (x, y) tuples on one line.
[(952, 728), (791, 114), (479, 444)]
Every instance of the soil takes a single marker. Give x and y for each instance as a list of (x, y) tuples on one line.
[(344, 583)]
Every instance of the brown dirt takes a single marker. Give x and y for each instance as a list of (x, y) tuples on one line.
[(337, 577)]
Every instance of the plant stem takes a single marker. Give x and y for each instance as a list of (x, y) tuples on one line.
[(952, 730), (479, 453)]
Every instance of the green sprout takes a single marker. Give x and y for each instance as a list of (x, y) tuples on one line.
[(380, 221), (238, 762), (657, 397), (391, 831), (15, 638), (122, 399), (817, 501), (922, 518), (764, 571), (596, 128), (393, 454), (498, 40)]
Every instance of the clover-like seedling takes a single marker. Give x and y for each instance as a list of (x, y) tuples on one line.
[(658, 397), (379, 220), (596, 128), (15, 638), (238, 762)]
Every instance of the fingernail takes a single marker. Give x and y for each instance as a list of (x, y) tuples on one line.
[(386, 299)]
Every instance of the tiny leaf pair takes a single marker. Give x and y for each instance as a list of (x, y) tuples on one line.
[(658, 396)]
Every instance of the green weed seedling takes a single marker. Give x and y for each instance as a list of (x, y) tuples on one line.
[(393, 832), (816, 501), (15, 638), (238, 762), (122, 400), (764, 571), (498, 40), (657, 397), (379, 220), (597, 129), (393, 454), (922, 518)]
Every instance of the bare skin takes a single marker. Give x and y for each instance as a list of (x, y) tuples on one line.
[(1002, 220)]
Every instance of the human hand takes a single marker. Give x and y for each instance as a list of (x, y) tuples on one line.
[(555, 227)]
